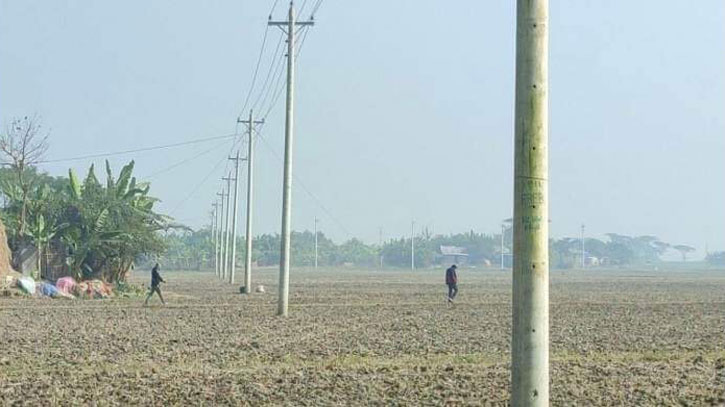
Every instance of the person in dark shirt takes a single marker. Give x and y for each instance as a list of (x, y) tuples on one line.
[(452, 282), (155, 281)]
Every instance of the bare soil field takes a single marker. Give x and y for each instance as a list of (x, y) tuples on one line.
[(367, 338)]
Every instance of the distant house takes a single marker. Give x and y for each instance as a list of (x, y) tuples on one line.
[(452, 255), (593, 261)]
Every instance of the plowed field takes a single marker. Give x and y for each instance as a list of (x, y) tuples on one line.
[(367, 338)]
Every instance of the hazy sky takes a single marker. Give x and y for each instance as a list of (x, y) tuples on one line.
[(404, 108)]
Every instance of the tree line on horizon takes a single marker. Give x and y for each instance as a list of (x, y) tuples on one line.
[(194, 250)]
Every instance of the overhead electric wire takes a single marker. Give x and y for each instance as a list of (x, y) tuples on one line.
[(304, 3), (259, 61), (273, 7), (184, 161), (299, 182), (277, 80), (277, 92), (279, 88), (314, 9), (203, 181), (272, 68), (136, 150), (256, 71)]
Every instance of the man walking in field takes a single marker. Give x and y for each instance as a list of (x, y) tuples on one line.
[(452, 282), (155, 281)]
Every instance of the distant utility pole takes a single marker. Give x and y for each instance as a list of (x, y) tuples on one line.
[(212, 214), (221, 233), (381, 249), (503, 233), (530, 324), (316, 220), (288, 27), (214, 237), (412, 245), (250, 200), (582, 240), (234, 218), (226, 227)]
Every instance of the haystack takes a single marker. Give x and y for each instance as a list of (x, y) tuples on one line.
[(5, 255)]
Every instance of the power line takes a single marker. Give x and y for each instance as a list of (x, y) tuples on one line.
[(259, 61), (304, 188), (273, 7), (196, 188), (272, 67), (184, 161), (279, 88), (314, 9), (256, 71), (137, 150), (278, 81), (276, 94), (304, 3)]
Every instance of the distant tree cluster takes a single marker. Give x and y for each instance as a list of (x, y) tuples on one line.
[(617, 250), (195, 250), (716, 258)]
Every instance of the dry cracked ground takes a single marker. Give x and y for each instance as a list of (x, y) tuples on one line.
[(368, 338)]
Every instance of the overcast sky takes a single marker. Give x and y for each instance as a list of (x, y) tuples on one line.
[(404, 108)]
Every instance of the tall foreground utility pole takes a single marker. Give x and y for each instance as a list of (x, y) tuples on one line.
[(250, 200), (226, 228), (221, 234), (234, 218), (284, 259), (530, 336)]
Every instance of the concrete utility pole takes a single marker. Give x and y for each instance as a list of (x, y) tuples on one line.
[(234, 218), (288, 27), (214, 228), (226, 228), (212, 214), (316, 243), (381, 249), (221, 234), (582, 240), (412, 245), (530, 335), (503, 233), (250, 200)]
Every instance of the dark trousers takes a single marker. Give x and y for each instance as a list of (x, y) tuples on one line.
[(452, 290), (154, 289)]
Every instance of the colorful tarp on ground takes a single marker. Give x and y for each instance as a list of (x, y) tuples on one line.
[(65, 287)]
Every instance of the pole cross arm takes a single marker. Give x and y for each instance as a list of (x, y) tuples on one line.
[(247, 121), (286, 23)]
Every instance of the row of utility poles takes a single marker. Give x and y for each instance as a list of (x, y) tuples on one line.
[(530, 325), (224, 238), (225, 215)]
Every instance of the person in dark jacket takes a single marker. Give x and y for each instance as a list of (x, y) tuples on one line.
[(452, 282), (155, 281)]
